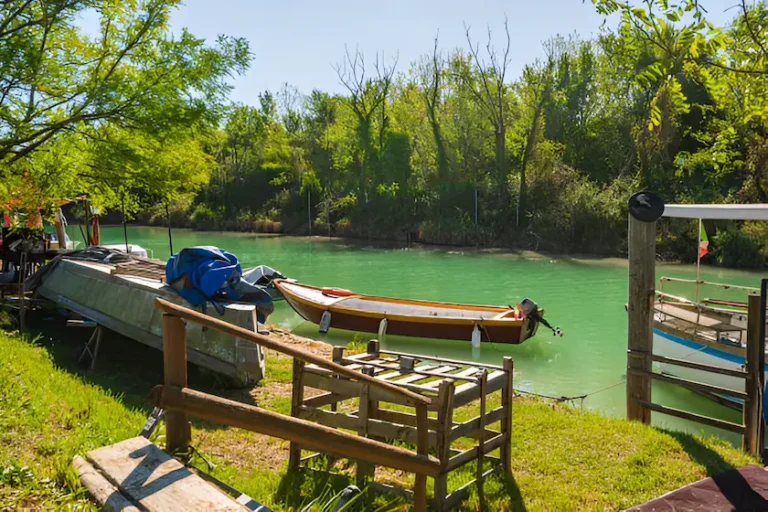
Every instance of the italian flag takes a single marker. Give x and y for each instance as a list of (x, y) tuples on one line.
[(703, 241)]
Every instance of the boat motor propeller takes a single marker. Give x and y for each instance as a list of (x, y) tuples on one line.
[(531, 309)]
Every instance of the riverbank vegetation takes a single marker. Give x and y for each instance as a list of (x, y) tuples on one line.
[(563, 458), (454, 148)]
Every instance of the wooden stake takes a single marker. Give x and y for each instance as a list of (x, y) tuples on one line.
[(642, 282), (422, 446), (444, 426), (506, 420), (481, 443), (753, 410), (297, 398), (175, 374)]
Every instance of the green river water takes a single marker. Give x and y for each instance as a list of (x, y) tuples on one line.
[(584, 297)]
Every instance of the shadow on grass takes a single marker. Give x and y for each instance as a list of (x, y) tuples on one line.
[(124, 367), (713, 463)]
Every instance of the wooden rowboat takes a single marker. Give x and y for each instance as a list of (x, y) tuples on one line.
[(418, 318)]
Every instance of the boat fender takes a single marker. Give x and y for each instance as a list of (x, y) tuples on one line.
[(325, 322), (337, 292), (476, 337), (382, 328)]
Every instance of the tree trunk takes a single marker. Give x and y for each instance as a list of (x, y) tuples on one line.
[(530, 144), (501, 163)]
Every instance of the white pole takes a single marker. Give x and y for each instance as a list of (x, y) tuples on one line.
[(698, 263)]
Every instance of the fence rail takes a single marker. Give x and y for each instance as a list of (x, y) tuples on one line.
[(180, 401)]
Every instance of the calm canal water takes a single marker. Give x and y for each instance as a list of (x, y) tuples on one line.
[(584, 297)]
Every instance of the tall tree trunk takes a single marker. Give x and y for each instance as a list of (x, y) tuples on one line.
[(530, 144), (501, 163)]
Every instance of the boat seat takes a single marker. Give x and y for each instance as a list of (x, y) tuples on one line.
[(703, 319)]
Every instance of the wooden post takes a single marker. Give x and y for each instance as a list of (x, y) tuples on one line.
[(175, 374), (444, 426), (337, 353), (753, 405), (422, 447), (365, 470), (642, 281), (506, 420), (297, 399), (481, 441)]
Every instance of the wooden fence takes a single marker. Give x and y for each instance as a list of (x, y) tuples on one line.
[(181, 402), (640, 356)]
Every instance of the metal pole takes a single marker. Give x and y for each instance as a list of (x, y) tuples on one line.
[(698, 262), (170, 237), (125, 228), (87, 232)]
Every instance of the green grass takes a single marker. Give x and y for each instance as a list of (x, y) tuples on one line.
[(563, 458)]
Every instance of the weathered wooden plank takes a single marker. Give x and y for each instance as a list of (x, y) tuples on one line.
[(349, 388), (699, 366), (156, 481), (706, 420), (376, 427), (693, 384), (105, 494), (470, 391), (470, 427), (323, 399), (469, 455)]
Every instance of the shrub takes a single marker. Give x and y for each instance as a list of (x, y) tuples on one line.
[(204, 217), (737, 248)]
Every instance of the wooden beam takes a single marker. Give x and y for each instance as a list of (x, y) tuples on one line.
[(706, 420), (297, 398), (177, 430), (310, 435), (506, 421), (739, 374), (265, 341), (695, 385), (753, 404), (469, 455), (105, 494), (642, 282)]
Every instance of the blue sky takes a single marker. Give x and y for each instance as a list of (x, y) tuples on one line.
[(299, 41)]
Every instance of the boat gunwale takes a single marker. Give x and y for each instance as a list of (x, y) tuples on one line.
[(340, 308)]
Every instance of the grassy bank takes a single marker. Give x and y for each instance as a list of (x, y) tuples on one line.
[(563, 458)]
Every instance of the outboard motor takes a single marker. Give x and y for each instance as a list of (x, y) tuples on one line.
[(531, 309), (261, 275)]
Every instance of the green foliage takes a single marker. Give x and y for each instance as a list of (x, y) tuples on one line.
[(739, 249)]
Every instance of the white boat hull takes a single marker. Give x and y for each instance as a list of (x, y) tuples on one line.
[(668, 345)]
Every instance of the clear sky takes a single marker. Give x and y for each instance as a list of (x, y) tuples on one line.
[(299, 41)]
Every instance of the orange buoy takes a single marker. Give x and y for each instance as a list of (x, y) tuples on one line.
[(337, 292)]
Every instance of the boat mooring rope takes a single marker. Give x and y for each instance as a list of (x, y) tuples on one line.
[(571, 399)]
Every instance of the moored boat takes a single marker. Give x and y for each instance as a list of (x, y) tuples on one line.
[(343, 309), (709, 331)]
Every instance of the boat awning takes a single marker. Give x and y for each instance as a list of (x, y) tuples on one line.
[(718, 211)]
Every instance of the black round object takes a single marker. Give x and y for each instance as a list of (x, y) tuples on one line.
[(646, 206)]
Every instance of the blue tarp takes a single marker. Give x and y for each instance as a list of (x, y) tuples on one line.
[(208, 274)]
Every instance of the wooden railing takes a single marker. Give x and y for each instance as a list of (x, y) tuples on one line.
[(180, 401)]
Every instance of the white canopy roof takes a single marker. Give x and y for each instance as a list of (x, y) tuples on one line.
[(718, 211)]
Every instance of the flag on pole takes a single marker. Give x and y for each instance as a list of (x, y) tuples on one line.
[(703, 241)]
